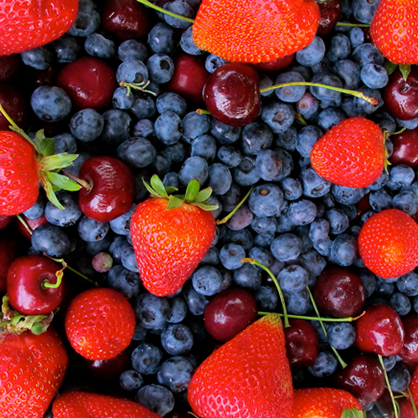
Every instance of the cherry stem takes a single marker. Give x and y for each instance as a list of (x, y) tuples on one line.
[(231, 214), (355, 93), (202, 112), (276, 283), (137, 86), (315, 318), (392, 398), (321, 320), (353, 25), (411, 398), (59, 274), (160, 9), (82, 183), (14, 126)]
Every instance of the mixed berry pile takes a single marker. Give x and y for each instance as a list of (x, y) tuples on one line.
[(302, 201)]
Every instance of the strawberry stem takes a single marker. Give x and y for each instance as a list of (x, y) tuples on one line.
[(354, 93), (276, 283), (160, 9), (411, 398), (392, 398), (231, 214)]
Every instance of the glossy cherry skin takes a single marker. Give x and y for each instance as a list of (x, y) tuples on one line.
[(339, 293), (229, 313), (330, 14), (112, 188), (380, 331), (89, 82), (363, 378), (127, 19), (302, 343), (16, 105), (189, 78), (405, 148), (25, 289), (276, 65), (8, 253), (409, 351), (400, 96), (232, 94), (109, 369)]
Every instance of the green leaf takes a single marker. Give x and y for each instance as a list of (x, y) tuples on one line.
[(174, 202), (57, 161), (63, 182), (203, 195), (205, 206), (352, 413), (38, 328), (390, 67), (405, 69), (192, 190), (171, 189), (45, 146), (50, 194), (158, 186)]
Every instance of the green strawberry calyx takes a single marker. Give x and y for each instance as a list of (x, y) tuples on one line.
[(352, 413), (192, 196)]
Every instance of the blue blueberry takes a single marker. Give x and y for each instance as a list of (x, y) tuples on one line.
[(168, 128), (389, 362), (287, 140), (265, 199), (344, 250), (52, 240), (302, 212), (241, 218), (98, 45), (151, 311), (37, 210), (330, 117), (171, 102), (143, 107), (207, 280), (180, 8), (247, 276), (408, 124), (313, 262), (264, 225), (124, 281), (195, 301), (228, 155), (160, 68), (314, 185), (325, 365), (319, 230), (400, 176), (157, 398), (291, 188), (374, 76), (286, 247), (290, 94), (268, 164), (176, 373), (117, 125), (242, 237), (178, 310), (213, 62), (341, 335), (65, 142), (230, 256), (87, 20), (347, 195), (262, 255), (369, 281), (267, 298), (312, 54), (339, 48), (400, 303), (278, 116), (132, 48), (367, 53), (177, 339), (128, 259), (297, 303), (255, 137), (364, 10), (137, 152), (399, 377), (91, 230), (204, 146), (122, 99), (293, 278), (162, 38), (357, 36), (132, 70), (187, 43), (194, 168), (348, 72), (323, 247), (50, 103), (323, 93), (220, 178), (195, 125), (67, 49), (131, 380), (39, 58), (87, 125), (407, 201), (144, 128), (308, 105), (408, 284), (246, 174), (338, 221), (225, 134), (231, 198), (63, 217)]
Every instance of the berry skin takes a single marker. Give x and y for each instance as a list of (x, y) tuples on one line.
[(30, 24), (389, 254), (100, 323), (249, 375), (32, 368), (255, 31), (351, 153), (394, 32), (19, 176)]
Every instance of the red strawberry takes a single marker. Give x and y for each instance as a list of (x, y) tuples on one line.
[(171, 235), (249, 376), (33, 23), (413, 386), (99, 323), (351, 153), (324, 403), (77, 404), (394, 30), (255, 30), (32, 368), (388, 243)]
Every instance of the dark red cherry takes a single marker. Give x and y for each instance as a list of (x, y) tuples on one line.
[(26, 288), (406, 409), (330, 14), (109, 369), (232, 94), (189, 78), (32, 223), (380, 331), (10, 66), (89, 82), (409, 351), (400, 96), (5, 221), (8, 253), (16, 105), (276, 65), (339, 293), (302, 343), (363, 377), (405, 148), (112, 188), (229, 313), (127, 19)]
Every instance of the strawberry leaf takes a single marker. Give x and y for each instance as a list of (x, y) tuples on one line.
[(45, 146), (171, 189), (158, 186), (203, 195), (57, 161), (206, 206), (352, 413), (63, 182), (192, 191), (174, 202), (405, 69), (390, 67), (50, 193)]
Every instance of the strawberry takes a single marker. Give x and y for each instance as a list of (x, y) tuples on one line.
[(388, 243), (394, 30), (77, 404), (351, 153), (249, 376), (255, 30), (33, 23), (171, 235), (100, 323), (33, 362), (325, 403)]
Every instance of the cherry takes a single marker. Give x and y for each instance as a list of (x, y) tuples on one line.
[(409, 351), (276, 65), (189, 78), (32, 223), (302, 343), (405, 408), (339, 293), (27, 281), (363, 205), (10, 66), (8, 253), (127, 19), (363, 377), (5, 221), (405, 148), (380, 330), (232, 94), (112, 188), (16, 105), (330, 14), (400, 96), (229, 313), (109, 369), (89, 82)]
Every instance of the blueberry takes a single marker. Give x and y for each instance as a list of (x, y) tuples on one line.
[(400, 176), (341, 335), (241, 218), (87, 21), (132, 70), (213, 62), (347, 195), (389, 362), (39, 58), (267, 298), (325, 364), (290, 94), (230, 256), (408, 124), (302, 212), (369, 281), (286, 247), (367, 53), (264, 225), (196, 302), (67, 49), (121, 224), (262, 255), (50, 103), (307, 105), (124, 281), (297, 302), (311, 54), (407, 201), (225, 134), (374, 76), (356, 36), (52, 240), (338, 221), (122, 99), (247, 276), (177, 339), (178, 310), (364, 10), (151, 311), (408, 284), (400, 303), (162, 38), (268, 164), (143, 107), (242, 237), (168, 128), (63, 217), (278, 116), (339, 48), (180, 8), (265, 199), (220, 178), (255, 137), (293, 278), (348, 72), (323, 93), (287, 140), (344, 250), (132, 48), (87, 125), (176, 373), (207, 280), (91, 230), (130, 380), (65, 143), (229, 156), (313, 185), (195, 125), (330, 117), (37, 210), (319, 230), (117, 125), (99, 46), (157, 398), (171, 102), (313, 262), (194, 168), (128, 259), (160, 68), (144, 128), (205, 146), (187, 43), (137, 152), (246, 174), (399, 377)]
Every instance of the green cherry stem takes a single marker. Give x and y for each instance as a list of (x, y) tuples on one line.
[(160, 9), (321, 321), (315, 318), (231, 214), (411, 398), (353, 25), (276, 283), (392, 398), (355, 93), (45, 284)]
